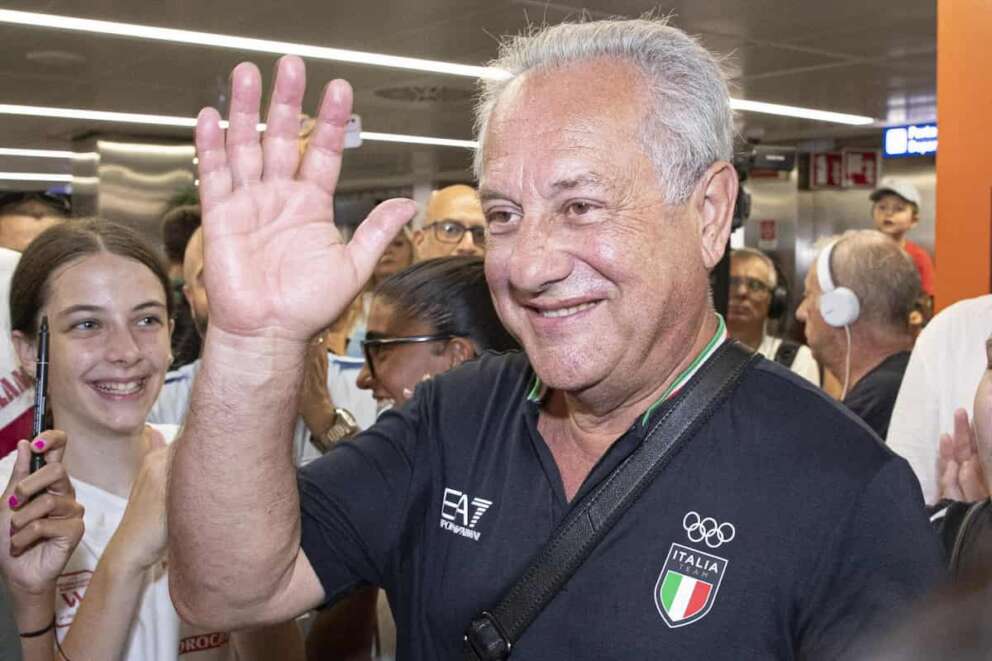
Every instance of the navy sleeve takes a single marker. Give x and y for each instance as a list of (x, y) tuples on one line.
[(354, 502), (883, 558)]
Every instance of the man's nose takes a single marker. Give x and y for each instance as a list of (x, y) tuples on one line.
[(538, 260)]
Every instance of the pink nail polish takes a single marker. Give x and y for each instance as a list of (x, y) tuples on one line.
[(12, 501), (39, 444)]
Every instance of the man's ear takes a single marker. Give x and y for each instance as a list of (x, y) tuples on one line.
[(26, 352), (458, 350), (417, 239), (713, 202)]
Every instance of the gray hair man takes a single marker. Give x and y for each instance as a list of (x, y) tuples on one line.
[(605, 180), (869, 352), (756, 297)]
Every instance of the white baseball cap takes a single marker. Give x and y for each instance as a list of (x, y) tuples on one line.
[(900, 187)]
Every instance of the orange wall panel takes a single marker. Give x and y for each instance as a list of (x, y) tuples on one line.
[(964, 161)]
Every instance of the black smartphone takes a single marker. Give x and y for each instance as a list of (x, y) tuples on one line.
[(40, 391)]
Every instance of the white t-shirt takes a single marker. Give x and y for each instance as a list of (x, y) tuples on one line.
[(157, 633), (342, 374), (942, 375), (804, 365)]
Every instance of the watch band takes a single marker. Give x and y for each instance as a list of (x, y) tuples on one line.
[(344, 426)]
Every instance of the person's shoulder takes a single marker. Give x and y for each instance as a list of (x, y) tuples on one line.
[(792, 417), (964, 321), (493, 376)]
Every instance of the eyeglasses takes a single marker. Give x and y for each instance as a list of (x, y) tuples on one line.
[(451, 231), (373, 348), (753, 285)]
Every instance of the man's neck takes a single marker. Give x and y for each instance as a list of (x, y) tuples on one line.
[(868, 353), (751, 335), (109, 462), (580, 429)]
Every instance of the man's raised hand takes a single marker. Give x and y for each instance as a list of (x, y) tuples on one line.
[(275, 265)]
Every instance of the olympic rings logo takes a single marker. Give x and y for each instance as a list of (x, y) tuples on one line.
[(707, 530)]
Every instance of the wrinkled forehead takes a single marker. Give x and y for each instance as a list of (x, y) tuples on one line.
[(562, 112)]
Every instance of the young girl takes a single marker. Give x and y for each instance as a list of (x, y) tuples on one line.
[(105, 295)]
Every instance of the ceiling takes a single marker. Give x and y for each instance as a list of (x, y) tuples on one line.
[(874, 58)]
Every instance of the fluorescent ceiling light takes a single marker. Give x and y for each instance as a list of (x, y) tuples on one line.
[(132, 30), (801, 113), (34, 176), (418, 140), (189, 122), (245, 44), (45, 153)]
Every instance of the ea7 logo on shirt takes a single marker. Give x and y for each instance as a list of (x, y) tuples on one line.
[(687, 585), (460, 513)]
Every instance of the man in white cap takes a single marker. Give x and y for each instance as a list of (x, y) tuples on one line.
[(896, 210)]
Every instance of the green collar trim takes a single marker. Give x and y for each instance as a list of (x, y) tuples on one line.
[(538, 390), (718, 338)]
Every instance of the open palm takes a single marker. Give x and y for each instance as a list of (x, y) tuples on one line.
[(274, 262)]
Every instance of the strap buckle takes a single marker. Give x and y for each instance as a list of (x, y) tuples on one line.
[(486, 640)]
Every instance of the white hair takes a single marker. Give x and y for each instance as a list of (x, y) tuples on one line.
[(690, 125)]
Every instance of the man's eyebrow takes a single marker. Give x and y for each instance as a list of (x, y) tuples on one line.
[(486, 194), (588, 179)]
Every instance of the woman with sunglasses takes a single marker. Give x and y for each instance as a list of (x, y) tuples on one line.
[(105, 296), (426, 320)]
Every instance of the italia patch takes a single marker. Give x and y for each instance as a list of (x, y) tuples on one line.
[(688, 585)]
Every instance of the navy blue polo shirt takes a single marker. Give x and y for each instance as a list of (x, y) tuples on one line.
[(783, 529)]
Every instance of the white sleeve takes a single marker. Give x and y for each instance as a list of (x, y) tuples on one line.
[(806, 366), (914, 430)]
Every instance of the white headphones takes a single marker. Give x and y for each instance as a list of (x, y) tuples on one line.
[(839, 306)]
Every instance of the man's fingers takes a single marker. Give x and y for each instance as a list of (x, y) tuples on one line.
[(322, 160), (70, 530), (972, 482), (376, 232), (964, 445), (280, 145), (215, 175), (46, 505), (244, 151), (949, 484)]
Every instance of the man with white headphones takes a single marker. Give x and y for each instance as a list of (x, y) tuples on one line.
[(856, 308)]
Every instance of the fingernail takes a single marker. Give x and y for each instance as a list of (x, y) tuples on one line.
[(12, 501), (39, 444)]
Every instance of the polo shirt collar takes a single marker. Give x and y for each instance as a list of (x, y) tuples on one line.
[(539, 390)]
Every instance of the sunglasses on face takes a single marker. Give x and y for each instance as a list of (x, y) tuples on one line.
[(373, 348)]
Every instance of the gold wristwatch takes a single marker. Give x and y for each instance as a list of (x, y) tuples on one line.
[(343, 427)]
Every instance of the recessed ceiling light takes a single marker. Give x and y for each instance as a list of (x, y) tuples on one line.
[(245, 43)]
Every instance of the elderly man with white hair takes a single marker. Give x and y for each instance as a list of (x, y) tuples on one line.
[(711, 503)]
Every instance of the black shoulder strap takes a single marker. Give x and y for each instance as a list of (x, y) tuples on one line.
[(786, 353), (491, 635)]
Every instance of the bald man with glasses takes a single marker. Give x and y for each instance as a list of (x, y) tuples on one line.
[(453, 225)]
